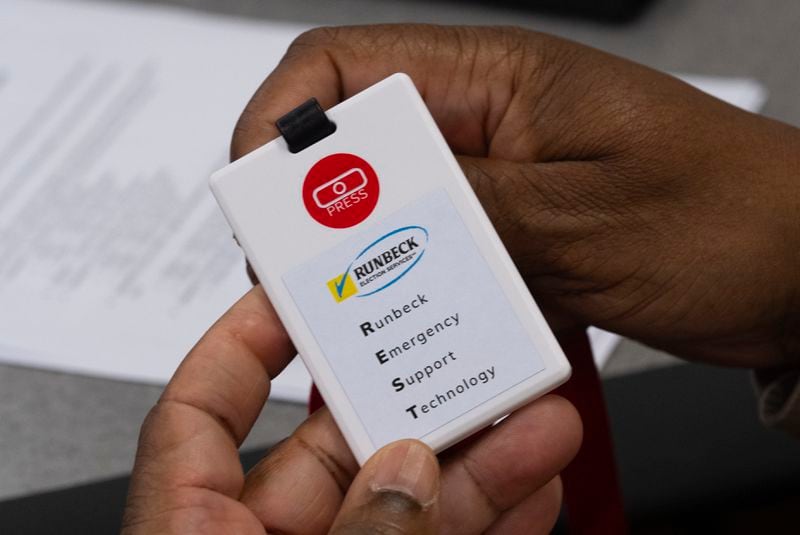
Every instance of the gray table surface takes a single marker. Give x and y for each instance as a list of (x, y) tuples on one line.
[(57, 429)]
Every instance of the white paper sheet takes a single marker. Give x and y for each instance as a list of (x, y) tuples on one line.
[(114, 259)]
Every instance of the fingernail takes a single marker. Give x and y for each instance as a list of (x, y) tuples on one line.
[(408, 467)]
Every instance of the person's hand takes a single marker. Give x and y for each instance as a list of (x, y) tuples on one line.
[(628, 199), (188, 478)]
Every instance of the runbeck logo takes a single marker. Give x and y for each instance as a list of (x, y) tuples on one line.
[(381, 263)]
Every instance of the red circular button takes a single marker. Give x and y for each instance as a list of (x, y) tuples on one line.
[(340, 190)]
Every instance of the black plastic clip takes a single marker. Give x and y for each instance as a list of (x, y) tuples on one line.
[(305, 125)]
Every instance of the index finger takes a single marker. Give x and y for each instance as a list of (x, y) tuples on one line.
[(191, 437), (467, 77)]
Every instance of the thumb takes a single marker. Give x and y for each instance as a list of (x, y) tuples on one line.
[(397, 491)]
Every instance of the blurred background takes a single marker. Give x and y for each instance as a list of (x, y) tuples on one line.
[(114, 258)]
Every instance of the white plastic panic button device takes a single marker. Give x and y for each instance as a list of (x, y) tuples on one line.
[(387, 274)]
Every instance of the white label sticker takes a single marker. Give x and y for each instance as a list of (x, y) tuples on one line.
[(412, 321)]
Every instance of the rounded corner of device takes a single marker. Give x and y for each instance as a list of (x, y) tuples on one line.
[(404, 81), (562, 374), (403, 77), (214, 180)]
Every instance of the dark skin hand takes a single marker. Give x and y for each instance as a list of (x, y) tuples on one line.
[(188, 479), (628, 200)]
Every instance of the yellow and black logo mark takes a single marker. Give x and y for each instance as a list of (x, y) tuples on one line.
[(342, 287)]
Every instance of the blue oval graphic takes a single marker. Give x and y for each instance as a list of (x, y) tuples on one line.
[(386, 254)]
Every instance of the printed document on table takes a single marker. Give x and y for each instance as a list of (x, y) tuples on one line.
[(114, 259)]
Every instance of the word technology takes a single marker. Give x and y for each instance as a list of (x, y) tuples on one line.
[(461, 388)]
